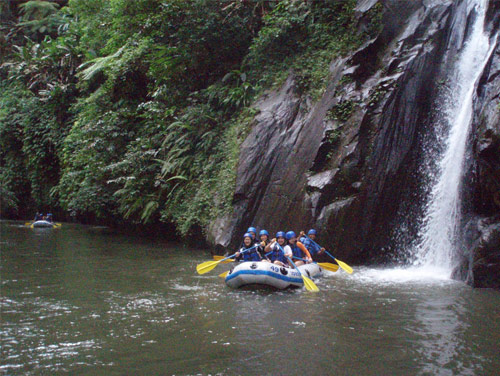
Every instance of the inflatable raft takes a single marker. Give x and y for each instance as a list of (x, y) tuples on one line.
[(42, 224), (267, 274)]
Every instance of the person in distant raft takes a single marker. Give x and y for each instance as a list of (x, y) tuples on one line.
[(314, 249), (251, 255), (277, 256), (264, 241), (294, 248)]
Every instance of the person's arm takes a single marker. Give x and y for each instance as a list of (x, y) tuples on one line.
[(269, 246), (304, 249), (238, 255), (263, 252), (316, 247), (287, 251)]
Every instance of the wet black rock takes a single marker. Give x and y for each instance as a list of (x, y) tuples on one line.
[(481, 256), (483, 261)]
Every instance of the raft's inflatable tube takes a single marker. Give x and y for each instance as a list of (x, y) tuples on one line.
[(267, 274), (42, 224)]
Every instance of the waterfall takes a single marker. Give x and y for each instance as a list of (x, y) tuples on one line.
[(439, 232)]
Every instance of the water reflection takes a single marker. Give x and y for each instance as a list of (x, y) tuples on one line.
[(435, 316), (440, 334)]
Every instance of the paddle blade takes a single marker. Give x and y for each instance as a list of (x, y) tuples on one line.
[(310, 285), (329, 266), (218, 258), (206, 266), (224, 275), (344, 266), (27, 224)]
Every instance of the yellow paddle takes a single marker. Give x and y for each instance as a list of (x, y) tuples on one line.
[(206, 266), (217, 258), (325, 265), (329, 266), (224, 275), (310, 286), (342, 264)]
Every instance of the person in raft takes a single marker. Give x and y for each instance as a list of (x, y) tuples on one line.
[(251, 255), (264, 241), (314, 249), (294, 248), (252, 231), (277, 256), (38, 216), (49, 217)]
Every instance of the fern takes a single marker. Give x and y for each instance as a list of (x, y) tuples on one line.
[(40, 16), (99, 64)]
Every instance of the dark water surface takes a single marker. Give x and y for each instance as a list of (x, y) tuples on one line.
[(84, 301)]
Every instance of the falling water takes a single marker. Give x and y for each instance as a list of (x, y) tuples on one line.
[(440, 226)]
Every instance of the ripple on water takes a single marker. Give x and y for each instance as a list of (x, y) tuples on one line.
[(180, 287)]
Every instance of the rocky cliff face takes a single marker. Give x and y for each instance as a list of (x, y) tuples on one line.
[(350, 165), (480, 264)]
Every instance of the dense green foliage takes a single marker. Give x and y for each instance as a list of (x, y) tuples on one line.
[(134, 110)]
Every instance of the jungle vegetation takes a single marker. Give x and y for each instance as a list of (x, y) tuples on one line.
[(133, 110)]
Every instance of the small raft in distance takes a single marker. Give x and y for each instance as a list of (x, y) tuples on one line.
[(268, 274), (43, 224)]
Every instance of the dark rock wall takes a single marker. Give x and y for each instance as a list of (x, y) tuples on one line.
[(481, 251), (351, 164)]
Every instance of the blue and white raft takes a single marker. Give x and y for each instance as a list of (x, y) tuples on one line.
[(268, 274)]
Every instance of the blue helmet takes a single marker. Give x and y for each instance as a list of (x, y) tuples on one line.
[(247, 235), (263, 232), (252, 229), (311, 232), (290, 234), (280, 234)]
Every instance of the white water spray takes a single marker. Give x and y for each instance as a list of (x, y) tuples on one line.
[(440, 226)]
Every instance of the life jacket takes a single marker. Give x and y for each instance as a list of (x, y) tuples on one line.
[(277, 255), (311, 247), (297, 252), (262, 250), (252, 255)]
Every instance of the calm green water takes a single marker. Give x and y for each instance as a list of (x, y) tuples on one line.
[(84, 301)]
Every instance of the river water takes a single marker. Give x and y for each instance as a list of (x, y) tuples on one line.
[(85, 301)]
